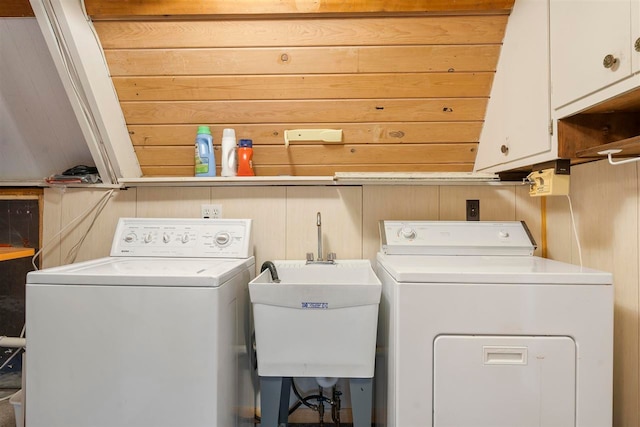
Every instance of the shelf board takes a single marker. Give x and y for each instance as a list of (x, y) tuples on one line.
[(340, 178), (9, 253), (629, 147)]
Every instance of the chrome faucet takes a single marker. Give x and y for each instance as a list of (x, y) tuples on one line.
[(331, 257), (319, 224)]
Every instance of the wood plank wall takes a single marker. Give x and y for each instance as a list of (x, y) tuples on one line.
[(408, 91)]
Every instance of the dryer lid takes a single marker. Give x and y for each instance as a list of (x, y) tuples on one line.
[(144, 271), (488, 269)]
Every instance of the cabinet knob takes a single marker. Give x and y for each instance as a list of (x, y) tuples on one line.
[(609, 61), (637, 44), (504, 149)]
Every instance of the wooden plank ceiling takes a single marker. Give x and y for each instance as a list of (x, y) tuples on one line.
[(407, 81), (15, 9)]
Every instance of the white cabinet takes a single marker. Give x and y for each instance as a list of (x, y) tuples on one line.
[(516, 130), (591, 46), (593, 52), (559, 58)]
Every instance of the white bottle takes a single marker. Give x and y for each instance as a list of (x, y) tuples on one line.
[(229, 160)]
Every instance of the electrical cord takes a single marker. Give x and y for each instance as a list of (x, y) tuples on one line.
[(575, 231), (101, 202), (2, 399)]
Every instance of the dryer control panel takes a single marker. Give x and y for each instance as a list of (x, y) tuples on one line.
[(183, 237), (456, 238)]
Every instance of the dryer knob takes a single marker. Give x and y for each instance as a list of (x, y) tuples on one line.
[(503, 234), (408, 233), (223, 239)]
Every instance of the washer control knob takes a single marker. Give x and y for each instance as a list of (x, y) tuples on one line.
[(130, 238), (166, 238), (223, 238), (503, 234), (148, 237), (185, 238), (408, 233)]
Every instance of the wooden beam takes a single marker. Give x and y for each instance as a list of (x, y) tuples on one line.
[(15, 8), (111, 9)]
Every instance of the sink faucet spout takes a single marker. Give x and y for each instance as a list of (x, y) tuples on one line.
[(319, 224)]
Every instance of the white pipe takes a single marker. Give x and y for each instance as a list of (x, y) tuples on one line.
[(12, 342), (326, 382)]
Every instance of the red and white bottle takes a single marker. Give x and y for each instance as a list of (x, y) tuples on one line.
[(245, 158)]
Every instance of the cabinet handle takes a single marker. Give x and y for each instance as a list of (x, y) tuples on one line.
[(609, 61), (504, 149), (637, 44)]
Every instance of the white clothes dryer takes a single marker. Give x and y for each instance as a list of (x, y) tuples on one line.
[(475, 331), (154, 335)]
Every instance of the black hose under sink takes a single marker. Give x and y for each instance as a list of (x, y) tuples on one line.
[(268, 265)]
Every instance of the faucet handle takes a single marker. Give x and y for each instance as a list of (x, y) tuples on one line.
[(309, 256), (331, 256)]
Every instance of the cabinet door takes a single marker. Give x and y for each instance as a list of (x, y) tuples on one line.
[(516, 128), (583, 34)]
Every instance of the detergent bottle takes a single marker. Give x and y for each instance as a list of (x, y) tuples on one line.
[(228, 160), (245, 158), (205, 161)]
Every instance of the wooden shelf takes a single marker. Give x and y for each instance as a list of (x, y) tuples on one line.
[(630, 147), (7, 254)]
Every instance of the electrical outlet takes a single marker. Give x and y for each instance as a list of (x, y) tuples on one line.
[(473, 210), (211, 211)]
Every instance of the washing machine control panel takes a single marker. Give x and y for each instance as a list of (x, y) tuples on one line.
[(456, 238), (183, 237)]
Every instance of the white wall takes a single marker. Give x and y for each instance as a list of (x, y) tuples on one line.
[(284, 217), (606, 205), (39, 134)]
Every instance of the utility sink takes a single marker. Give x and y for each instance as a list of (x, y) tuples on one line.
[(320, 320)]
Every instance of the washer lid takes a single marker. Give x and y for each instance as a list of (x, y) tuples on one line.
[(144, 271), (488, 269)]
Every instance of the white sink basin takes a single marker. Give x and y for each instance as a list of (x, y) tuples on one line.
[(319, 321)]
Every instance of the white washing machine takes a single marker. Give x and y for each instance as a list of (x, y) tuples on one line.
[(475, 331), (153, 335)]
